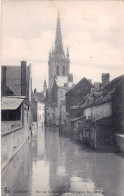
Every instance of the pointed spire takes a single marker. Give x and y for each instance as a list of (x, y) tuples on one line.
[(67, 54), (58, 39)]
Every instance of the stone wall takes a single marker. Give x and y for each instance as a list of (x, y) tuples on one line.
[(7, 126), (99, 111), (13, 139), (11, 143)]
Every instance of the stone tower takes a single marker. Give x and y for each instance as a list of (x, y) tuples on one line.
[(58, 63)]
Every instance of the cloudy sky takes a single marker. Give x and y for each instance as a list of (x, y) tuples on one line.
[(93, 31)]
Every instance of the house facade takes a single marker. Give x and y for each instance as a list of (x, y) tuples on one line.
[(103, 113), (16, 116), (78, 93), (74, 97), (38, 102)]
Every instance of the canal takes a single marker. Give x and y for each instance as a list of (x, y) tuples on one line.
[(51, 164)]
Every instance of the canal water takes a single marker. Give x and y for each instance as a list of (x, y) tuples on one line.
[(51, 164)]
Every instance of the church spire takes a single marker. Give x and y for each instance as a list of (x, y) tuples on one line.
[(67, 54), (58, 39)]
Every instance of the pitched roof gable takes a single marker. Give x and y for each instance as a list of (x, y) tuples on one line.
[(39, 96), (83, 80), (103, 94), (13, 77)]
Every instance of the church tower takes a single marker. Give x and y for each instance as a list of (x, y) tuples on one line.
[(45, 88), (58, 63)]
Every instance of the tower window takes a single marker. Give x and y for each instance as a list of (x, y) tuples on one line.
[(63, 71), (57, 70), (61, 93)]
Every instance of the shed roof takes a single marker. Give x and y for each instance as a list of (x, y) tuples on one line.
[(11, 103)]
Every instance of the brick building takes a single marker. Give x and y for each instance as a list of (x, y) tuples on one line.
[(16, 114), (101, 116)]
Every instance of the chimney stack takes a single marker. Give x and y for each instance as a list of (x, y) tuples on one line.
[(105, 78), (23, 78), (35, 90), (3, 83)]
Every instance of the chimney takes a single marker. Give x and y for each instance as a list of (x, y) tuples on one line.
[(23, 78), (105, 78), (35, 90), (3, 83)]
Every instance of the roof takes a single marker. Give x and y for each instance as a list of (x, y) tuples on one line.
[(39, 97), (78, 118), (13, 77), (82, 81), (103, 94), (11, 103)]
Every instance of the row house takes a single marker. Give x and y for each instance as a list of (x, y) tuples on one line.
[(102, 123), (16, 116), (38, 104)]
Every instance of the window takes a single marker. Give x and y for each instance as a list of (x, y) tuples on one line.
[(39, 107), (63, 70), (11, 115), (61, 93), (57, 70), (61, 102)]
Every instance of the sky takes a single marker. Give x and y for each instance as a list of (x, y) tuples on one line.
[(92, 30)]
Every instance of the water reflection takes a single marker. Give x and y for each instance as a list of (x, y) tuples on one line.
[(50, 164)]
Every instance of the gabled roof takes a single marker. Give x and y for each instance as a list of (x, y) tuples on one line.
[(39, 96), (103, 94), (11, 103), (13, 77), (76, 85)]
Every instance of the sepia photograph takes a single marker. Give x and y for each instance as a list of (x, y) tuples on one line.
[(62, 98)]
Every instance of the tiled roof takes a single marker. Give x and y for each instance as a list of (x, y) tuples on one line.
[(103, 94), (13, 76), (77, 85), (39, 96), (11, 103)]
